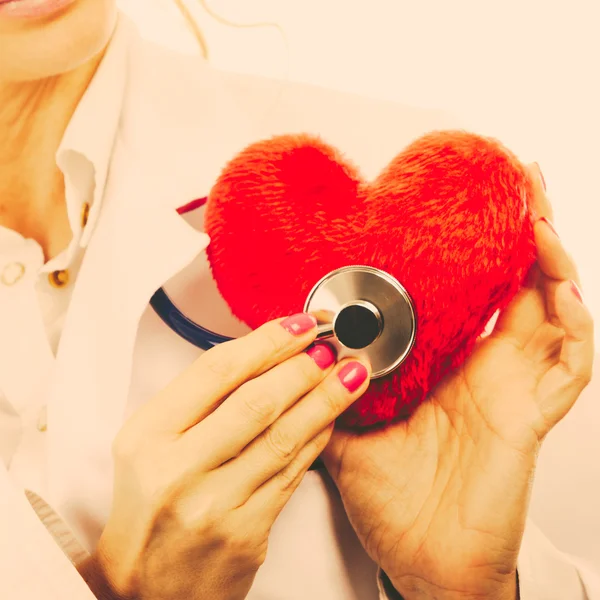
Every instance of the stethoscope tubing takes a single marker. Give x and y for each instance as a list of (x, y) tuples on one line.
[(183, 326), (193, 333)]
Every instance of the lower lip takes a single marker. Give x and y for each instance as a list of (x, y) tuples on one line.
[(32, 9)]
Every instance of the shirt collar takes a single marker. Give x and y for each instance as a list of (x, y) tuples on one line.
[(85, 151)]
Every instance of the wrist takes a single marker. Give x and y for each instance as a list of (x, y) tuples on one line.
[(510, 591)]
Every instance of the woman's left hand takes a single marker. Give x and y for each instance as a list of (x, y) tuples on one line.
[(440, 501)]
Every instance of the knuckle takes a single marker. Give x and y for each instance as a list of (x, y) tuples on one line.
[(218, 363), (201, 513), (245, 550), (290, 478), (259, 405), (298, 376), (307, 372), (333, 400), (582, 379), (241, 545), (320, 442), (261, 556), (281, 444), (153, 472), (271, 340)]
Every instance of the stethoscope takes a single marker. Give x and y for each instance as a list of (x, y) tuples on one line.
[(362, 311)]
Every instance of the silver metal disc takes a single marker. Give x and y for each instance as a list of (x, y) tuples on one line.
[(365, 313)]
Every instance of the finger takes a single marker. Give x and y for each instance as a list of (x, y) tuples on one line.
[(553, 260), (556, 266), (197, 391), (519, 321), (534, 304), (271, 497), (256, 405), (279, 444), (564, 382), (540, 203)]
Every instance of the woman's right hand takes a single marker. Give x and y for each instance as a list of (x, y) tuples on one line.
[(203, 470)]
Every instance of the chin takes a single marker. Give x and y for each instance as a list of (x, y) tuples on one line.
[(34, 49)]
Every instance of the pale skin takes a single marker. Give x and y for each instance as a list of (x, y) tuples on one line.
[(232, 437), (439, 501), (45, 69), (203, 482)]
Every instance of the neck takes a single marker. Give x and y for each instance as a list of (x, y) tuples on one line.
[(33, 118)]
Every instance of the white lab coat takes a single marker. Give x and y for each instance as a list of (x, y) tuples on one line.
[(181, 122)]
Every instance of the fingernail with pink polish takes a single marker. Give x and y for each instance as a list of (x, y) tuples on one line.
[(353, 375), (323, 354), (575, 289), (550, 225), (299, 324)]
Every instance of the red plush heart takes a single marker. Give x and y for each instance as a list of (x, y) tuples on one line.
[(449, 218)]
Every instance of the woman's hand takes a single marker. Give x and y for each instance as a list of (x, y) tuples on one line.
[(440, 501), (204, 469)]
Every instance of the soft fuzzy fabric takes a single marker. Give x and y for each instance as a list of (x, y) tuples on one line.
[(449, 217)]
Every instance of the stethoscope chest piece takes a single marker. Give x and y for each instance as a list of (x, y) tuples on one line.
[(365, 313)]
